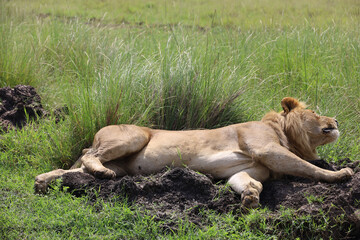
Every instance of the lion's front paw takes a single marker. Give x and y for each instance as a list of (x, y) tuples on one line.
[(250, 198), (345, 174), (105, 173)]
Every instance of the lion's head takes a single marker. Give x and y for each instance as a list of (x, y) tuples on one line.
[(303, 129)]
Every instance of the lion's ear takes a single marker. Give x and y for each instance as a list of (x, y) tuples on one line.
[(290, 103)]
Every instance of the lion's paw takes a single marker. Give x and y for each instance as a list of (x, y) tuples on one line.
[(41, 183), (346, 173), (40, 187), (250, 198), (105, 174)]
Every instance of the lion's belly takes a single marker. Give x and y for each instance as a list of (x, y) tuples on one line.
[(221, 164)]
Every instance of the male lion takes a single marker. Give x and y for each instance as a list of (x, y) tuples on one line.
[(246, 153)]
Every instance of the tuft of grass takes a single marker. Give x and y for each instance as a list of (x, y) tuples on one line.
[(314, 199)]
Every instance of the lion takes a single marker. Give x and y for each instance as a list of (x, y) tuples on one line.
[(246, 154)]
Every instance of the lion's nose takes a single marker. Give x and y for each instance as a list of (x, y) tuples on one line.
[(337, 123)]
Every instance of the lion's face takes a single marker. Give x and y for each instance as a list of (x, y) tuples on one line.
[(320, 129), (305, 129)]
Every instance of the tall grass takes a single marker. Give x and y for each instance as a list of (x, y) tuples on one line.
[(247, 14), (178, 78)]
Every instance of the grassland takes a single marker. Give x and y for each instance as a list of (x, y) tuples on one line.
[(169, 64)]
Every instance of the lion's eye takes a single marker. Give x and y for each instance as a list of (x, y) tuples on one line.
[(316, 115)]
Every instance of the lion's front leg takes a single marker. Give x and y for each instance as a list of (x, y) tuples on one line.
[(281, 160)]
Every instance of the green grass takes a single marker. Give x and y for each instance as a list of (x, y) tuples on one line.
[(245, 14), (165, 64)]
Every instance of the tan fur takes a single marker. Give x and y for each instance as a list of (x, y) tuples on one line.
[(246, 154)]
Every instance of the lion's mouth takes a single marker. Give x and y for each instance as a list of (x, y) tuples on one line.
[(328, 130)]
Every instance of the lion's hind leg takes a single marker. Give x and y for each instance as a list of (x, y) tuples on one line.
[(42, 181), (114, 143), (94, 166)]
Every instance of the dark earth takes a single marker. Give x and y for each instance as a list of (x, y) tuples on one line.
[(182, 193), (20, 104), (17, 105)]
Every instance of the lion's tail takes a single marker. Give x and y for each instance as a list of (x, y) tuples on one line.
[(78, 162)]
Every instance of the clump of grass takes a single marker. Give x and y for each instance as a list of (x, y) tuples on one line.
[(314, 199), (16, 59), (196, 89), (177, 90)]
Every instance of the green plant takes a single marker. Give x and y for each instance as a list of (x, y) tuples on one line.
[(314, 199)]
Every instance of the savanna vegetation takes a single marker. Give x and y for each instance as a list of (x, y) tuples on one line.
[(166, 64)]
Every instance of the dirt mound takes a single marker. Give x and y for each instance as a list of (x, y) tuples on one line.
[(16, 104), (20, 104), (181, 192), (170, 194), (340, 202)]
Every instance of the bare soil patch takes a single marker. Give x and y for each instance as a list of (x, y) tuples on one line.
[(21, 104), (183, 193), (17, 105)]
